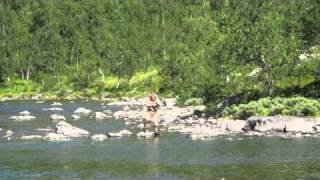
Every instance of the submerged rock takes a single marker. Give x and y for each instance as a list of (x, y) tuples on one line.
[(100, 115), (9, 133), (121, 133), (108, 112), (125, 132), (113, 134), (82, 111), (98, 137), (44, 129), (24, 113), (68, 130), (57, 117), (126, 108), (56, 137), (146, 134), (53, 109), (75, 117), (22, 118), (31, 137), (56, 104), (176, 128)]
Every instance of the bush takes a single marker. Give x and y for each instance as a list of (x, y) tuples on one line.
[(20, 87), (296, 106), (146, 80)]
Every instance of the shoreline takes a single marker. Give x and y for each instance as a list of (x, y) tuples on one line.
[(50, 97), (183, 120)]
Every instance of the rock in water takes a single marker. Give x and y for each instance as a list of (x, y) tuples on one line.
[(75, 117), (30, 137), (24, 113), (56, 104), (108, 112), (100, 115), (125, 132), (45, 129), (53, 109), (68, 130), (9, 133), (146, 134), (82, 111), (98, 137), (56, 137), (126, 108), (57, 117), (121, 133), (112, 134), (22, 118)]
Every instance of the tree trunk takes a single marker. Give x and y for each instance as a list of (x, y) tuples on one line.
[(163, 28)]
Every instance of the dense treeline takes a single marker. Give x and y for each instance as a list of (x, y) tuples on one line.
[(213, 49)]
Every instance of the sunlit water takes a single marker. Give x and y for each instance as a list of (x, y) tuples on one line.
[(171, 156)]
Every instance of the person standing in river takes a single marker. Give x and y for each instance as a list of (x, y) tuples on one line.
[(153, 105)]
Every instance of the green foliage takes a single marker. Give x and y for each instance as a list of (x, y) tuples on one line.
[(296, 106), (18, 87), (201, 48), (190, 102), (146, 80)]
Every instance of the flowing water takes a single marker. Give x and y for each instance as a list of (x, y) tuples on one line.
[(171, 156)]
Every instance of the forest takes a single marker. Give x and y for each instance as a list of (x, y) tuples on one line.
[(223, 51)]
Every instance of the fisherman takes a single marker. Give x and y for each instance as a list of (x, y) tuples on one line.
[(153, 105)]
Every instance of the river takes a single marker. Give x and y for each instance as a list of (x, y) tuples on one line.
[(171, 156)]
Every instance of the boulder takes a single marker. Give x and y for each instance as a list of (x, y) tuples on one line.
[(66, 129), (57, 117), (82, 111), (22, 118), (281, 124), (98, 137), (24, 113), (56, 137), (31, 137), (75, 117), (100, 115)]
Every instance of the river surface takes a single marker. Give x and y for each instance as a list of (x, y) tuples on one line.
[(171, 156)]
